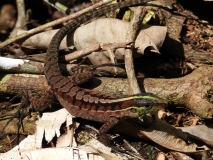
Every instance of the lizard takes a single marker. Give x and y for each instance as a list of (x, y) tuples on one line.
[(88, 104)]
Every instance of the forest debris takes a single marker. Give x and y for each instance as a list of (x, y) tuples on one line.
[(21, 21), (169, 137), (178, 155), (164, 88), (50, 24), (163, 134), (104, 151), (202, 132), (198, 35), (143, 40), (83, 38), (50, 123), (7, 17), (96, 47), (41, 40), (20, 66), (131, 36), (12, 128), (189, 90), (52, 153), (67, 139)]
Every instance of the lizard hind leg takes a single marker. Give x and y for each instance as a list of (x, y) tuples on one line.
[(80, 74)]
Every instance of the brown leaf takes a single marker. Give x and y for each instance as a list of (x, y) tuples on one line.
[(200, 131), (113, 30), (169, 137), (41, 40)]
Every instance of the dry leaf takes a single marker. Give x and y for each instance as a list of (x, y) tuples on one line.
[(161, 133), (41, 40), (169, 137), (200, 131), (103, 31), (51, 123), (30, 147), (51, 153), (104, 151), (107, 30)]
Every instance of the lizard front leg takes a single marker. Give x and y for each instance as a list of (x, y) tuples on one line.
[(108, 125)]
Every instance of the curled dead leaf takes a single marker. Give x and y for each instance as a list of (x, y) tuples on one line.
[(169, 137), (201, 132), (103, 31), (112, 30)]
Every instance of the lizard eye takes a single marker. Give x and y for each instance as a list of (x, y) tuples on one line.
[(148, 106), (133, 110)]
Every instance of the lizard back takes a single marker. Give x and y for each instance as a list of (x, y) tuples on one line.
[(84, 103)]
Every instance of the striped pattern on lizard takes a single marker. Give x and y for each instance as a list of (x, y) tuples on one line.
[(88, 104)]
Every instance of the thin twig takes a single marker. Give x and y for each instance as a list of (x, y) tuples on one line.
[(131, 36), (94, 48), (21, 21), (51, 24)]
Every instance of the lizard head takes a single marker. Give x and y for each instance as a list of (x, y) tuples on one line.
[(144, 103), (147, 103)]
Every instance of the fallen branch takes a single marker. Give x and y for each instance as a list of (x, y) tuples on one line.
[(189, 90)]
